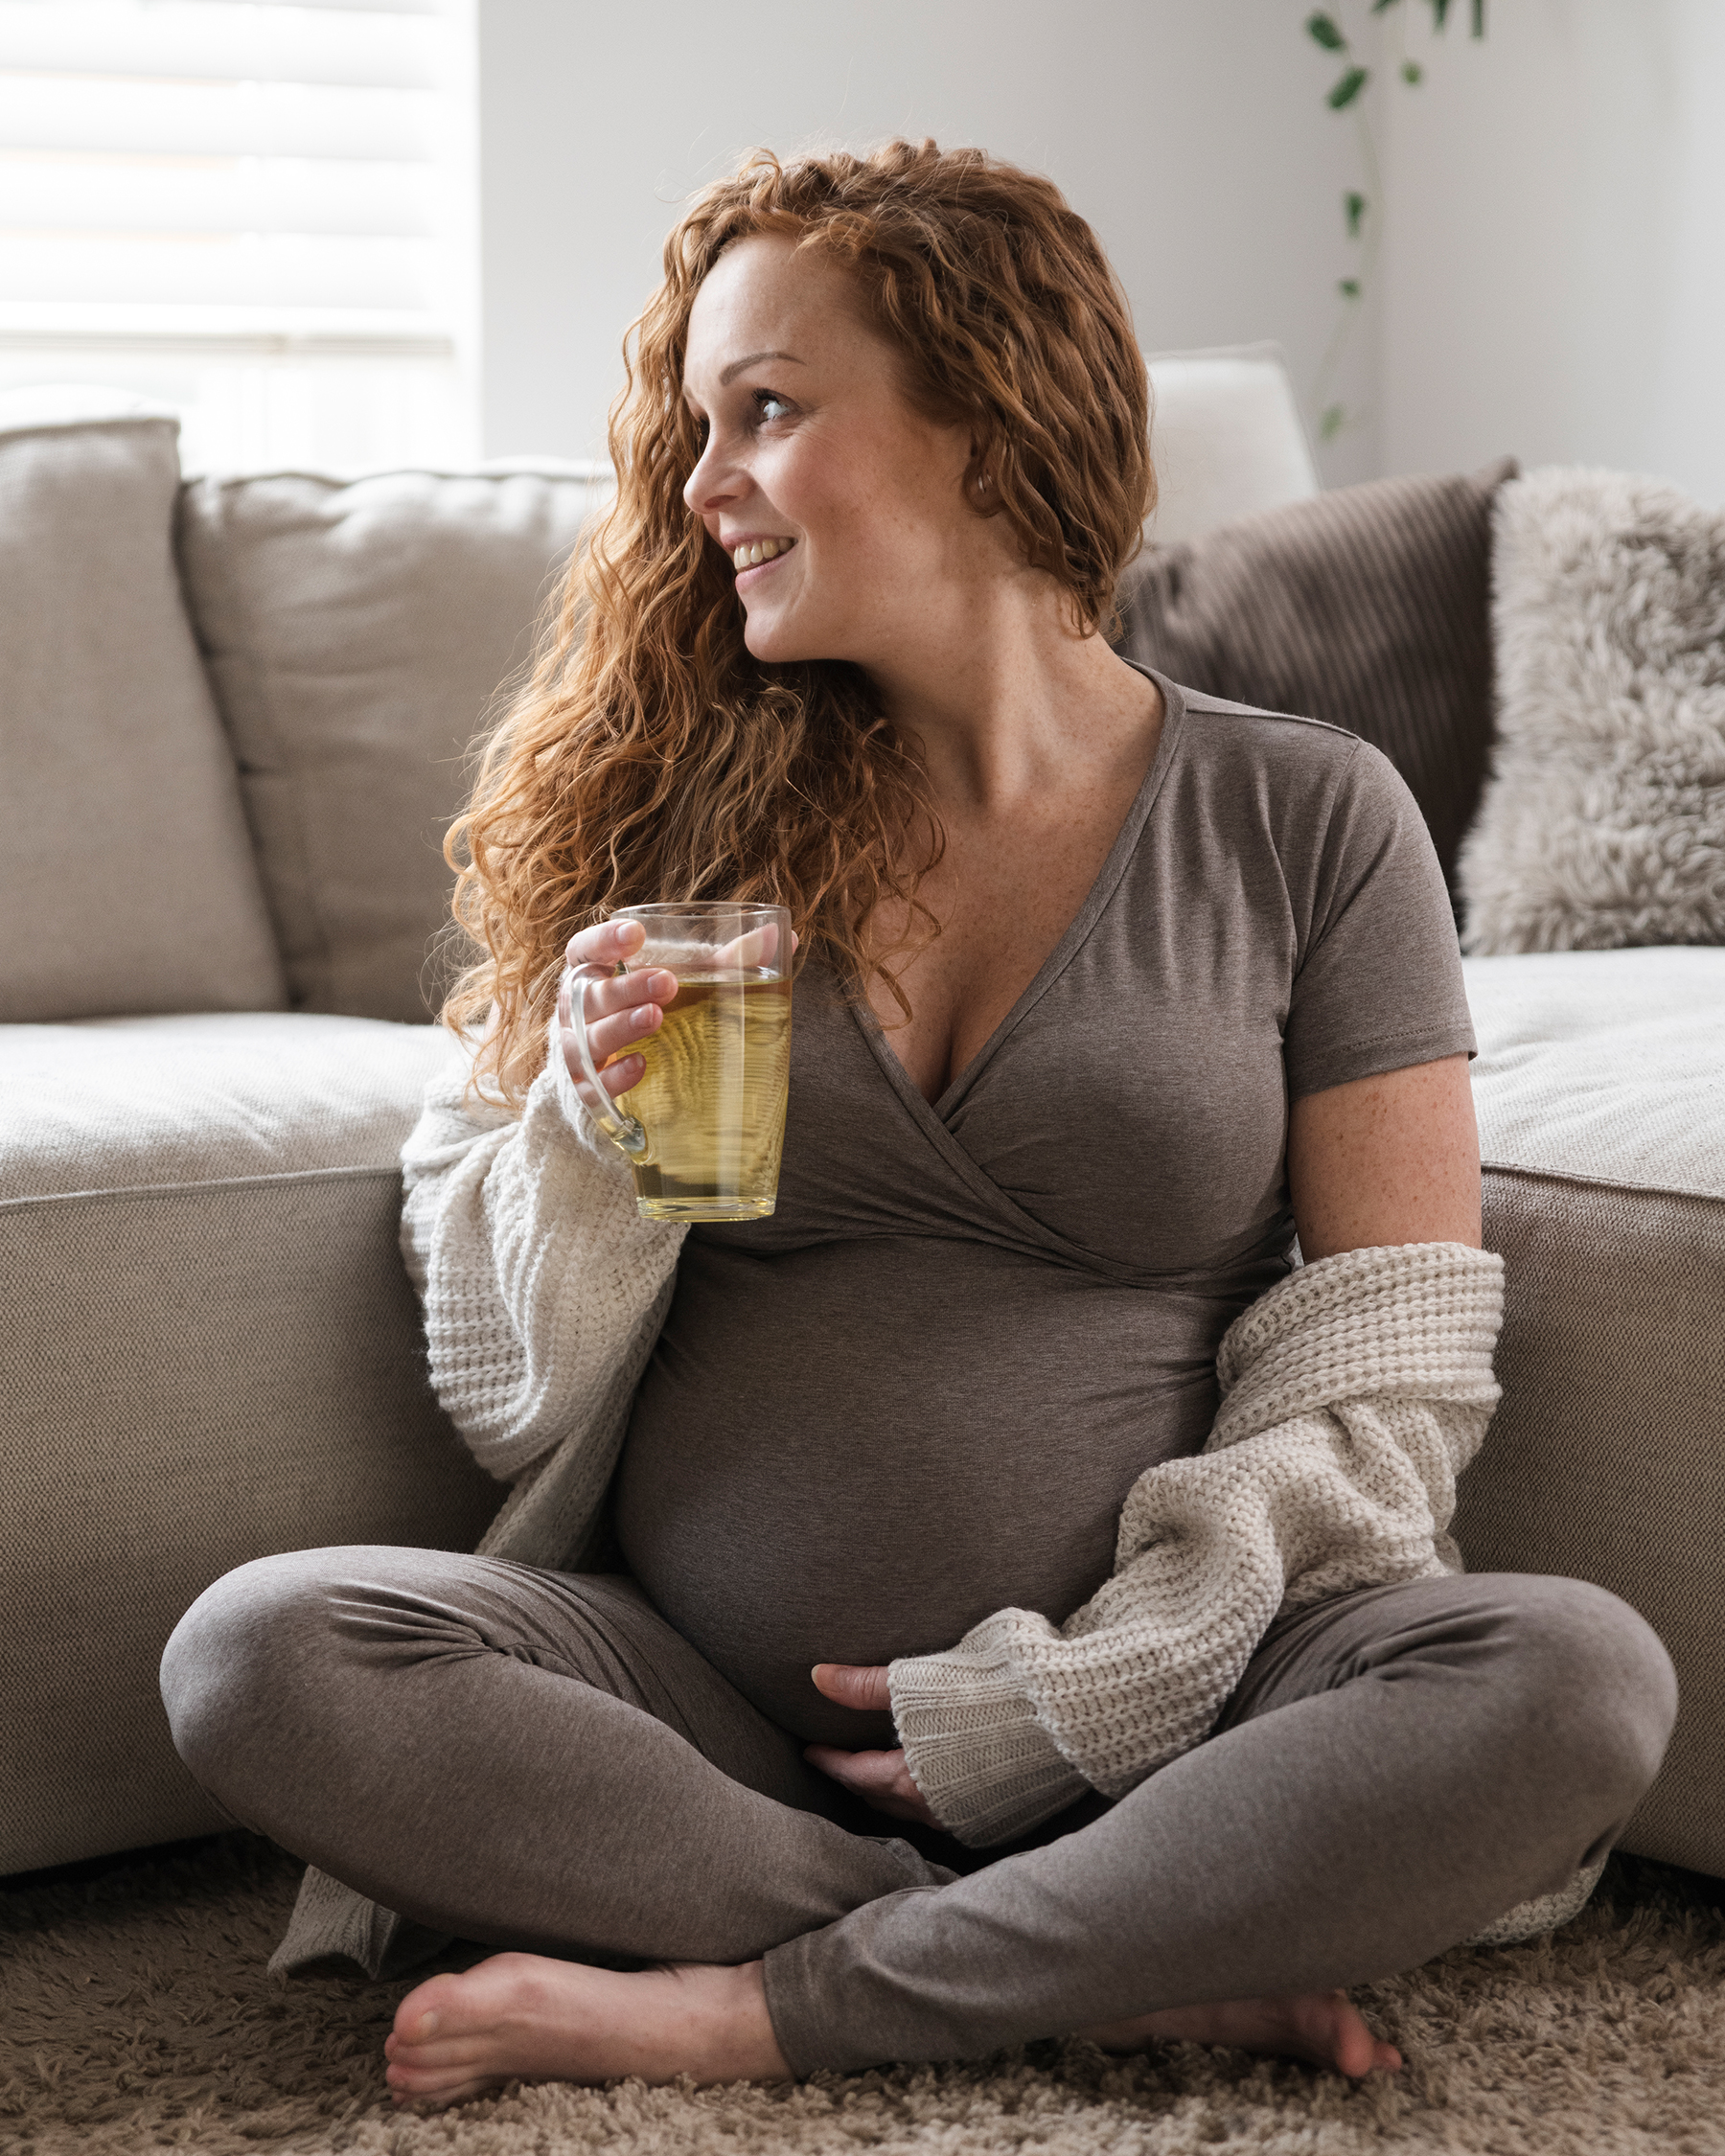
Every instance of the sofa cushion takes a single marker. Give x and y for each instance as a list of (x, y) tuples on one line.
[(127, 879), (1603, 824), (1600, 1093), (212, 1352), (161, 1104), (355, 633), (1226, 438), (1367, 606)]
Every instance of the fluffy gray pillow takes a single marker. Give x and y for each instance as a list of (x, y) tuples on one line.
[(1603, 821)]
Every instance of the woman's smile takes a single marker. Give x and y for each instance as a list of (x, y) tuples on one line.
[(750, 557)]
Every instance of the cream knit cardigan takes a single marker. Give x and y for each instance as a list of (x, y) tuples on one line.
[(1353, 1394)]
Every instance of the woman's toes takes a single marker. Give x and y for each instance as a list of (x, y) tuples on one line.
[(440, 2055), (438, 2088), (1323, 2027), (450, 2040), (417, 2017), (1339, 2038), (438, 2084), (426, 2072)]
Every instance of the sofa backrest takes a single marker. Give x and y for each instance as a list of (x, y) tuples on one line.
[(357, 634), (127, 882)]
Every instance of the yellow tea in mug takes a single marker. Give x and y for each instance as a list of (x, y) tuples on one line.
[(712, 1100)]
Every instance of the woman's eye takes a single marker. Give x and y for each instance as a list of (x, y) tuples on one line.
[(769, 405)]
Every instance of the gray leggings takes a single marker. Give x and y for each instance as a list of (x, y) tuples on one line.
[(536, 1761)]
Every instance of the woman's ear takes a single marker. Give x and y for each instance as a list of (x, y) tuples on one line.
[(980, 486)]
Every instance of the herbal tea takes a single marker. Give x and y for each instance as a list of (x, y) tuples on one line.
[(712, 1101)]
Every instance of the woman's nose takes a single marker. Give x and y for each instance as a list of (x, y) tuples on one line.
[(711, 484)]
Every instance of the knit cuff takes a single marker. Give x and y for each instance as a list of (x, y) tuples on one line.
[(986, 1766)]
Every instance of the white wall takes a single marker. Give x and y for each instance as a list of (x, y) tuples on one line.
[(1553, 278), (1191, 133), (1555, 244)]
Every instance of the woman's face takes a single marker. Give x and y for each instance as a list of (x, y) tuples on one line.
[(812, 449)]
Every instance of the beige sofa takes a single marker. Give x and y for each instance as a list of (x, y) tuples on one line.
[(231, 722)]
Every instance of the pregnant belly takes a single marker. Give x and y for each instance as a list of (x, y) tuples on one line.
[(860, 1450)]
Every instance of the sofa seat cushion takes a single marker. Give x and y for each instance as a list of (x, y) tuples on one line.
[(124, 1104), (1608, 1065), (1600, 1093), (212, 1352)]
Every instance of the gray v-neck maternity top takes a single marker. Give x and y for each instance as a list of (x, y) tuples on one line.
[(921, 1390)]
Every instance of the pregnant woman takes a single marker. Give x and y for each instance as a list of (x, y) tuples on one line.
[(1003, 1594)]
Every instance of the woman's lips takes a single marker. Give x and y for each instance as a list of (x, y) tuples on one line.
[(754, 560)]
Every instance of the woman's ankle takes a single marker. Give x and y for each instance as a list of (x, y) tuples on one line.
[(746, 2046)]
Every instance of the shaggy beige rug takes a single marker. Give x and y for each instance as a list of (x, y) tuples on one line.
[(135, 2015)]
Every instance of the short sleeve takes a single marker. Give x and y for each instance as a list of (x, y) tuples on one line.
[(1379, 984)]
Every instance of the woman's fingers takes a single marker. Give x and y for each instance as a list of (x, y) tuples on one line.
[(757, 947), (615, 1010), (616, 1078), (852, 1685), (616, 994), (615, 942), (618, 1010), (610, 944), (622, 1009), (881, 1778)]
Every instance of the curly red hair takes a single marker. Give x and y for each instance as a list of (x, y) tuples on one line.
[(649, 755)]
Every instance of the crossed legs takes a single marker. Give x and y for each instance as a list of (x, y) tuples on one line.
[(538, 1762)]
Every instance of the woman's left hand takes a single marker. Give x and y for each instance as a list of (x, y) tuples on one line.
[(881, 1778)]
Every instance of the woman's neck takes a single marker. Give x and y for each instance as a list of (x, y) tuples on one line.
[(1008, 703)]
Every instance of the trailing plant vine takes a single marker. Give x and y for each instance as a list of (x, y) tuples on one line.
[(1362, 206)]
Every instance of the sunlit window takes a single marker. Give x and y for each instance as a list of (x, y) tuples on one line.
[(260, 214)]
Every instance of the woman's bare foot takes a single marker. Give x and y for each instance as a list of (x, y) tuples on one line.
[(1324, 2026), (524, 2017)]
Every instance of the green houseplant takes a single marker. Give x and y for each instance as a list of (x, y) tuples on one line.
[(1361, 205)]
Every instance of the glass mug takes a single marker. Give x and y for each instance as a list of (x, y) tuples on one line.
[(704, 1126)]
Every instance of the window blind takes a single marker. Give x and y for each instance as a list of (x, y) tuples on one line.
[(280, 184)]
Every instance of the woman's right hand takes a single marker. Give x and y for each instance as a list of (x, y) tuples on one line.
[(617, 1008)]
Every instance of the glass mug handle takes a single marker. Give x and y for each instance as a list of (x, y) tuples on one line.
[(614, 1120)]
